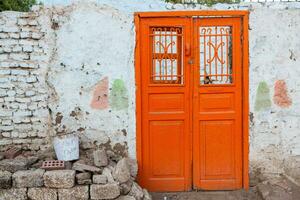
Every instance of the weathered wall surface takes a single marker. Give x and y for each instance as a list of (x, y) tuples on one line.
[(274, 89), (23, 85), (85, 82)]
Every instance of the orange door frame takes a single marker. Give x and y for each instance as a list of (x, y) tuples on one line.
[(244, 15)]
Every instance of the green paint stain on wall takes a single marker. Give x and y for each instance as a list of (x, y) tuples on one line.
[(119, 95), (263, 100)]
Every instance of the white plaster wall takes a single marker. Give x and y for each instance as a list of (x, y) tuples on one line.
[(95, 40), (275, 55), (92, 33)]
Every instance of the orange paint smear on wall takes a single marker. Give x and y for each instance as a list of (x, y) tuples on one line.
[(281, 97), (100, 95)]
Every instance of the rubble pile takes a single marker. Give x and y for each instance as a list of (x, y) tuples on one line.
[(98, 175)]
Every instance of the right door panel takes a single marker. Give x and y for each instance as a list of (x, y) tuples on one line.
[(217, 104)]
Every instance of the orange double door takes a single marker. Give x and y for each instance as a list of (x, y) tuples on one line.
[(191, 104)]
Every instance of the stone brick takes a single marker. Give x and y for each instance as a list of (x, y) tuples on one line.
[(84, 178), (14, 35), (5, 72), (127, 197), (3, 93), (7, 122), (59, 178), (126, 187), (42, 194), (19, 56), (11, 93), (13, 165), (77, 192), (83, 167), (19, 72), (33, 23), (6, 134), (36, 35), (7, 49), (6, 128), (22, 22), (100, 158), (99, 179), (108, 191), (9, 99), (107, 172), (147, 196), (4, 36), (22, 113), (31, 79), (122, 171), (5, 141), (3, 56), (17, 48), (13, 194), (28, 178), (21, 141), (27, 48), (23, 100), (25, 35), (5, 179), (136, 191)]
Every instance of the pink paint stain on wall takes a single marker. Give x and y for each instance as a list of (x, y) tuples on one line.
[(100, 95), (281, 97)]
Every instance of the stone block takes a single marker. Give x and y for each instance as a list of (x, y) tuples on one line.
[(28, 178), (122, 171), (83, 167), (84, 178), (59, 179), (13, 194), (147, 196), (126, 187), (5, 179), (107, 172), (126, 197), (108, 191), (42, 194), (13, 165), (99, 179), (77, 193), (136, 191), (36, 35), (100, 158)]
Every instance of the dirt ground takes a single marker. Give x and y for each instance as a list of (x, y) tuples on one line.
[(279, 188), (207, 195)]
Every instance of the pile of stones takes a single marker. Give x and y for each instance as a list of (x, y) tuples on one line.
[(101, 177)]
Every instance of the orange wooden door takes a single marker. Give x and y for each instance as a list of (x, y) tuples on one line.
[(165, 79), (217, 104), (191, 103)]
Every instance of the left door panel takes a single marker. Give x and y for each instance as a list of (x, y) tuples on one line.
[(165, 86)]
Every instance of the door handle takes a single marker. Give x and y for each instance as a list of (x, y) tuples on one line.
[(187, 49)]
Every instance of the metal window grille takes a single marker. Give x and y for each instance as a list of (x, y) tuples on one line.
[(215, 54), (166, 54)]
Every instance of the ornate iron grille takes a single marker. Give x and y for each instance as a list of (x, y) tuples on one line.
[(166, 54), (215, 54)]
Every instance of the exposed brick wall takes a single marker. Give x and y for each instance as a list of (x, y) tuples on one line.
[(23, 90)]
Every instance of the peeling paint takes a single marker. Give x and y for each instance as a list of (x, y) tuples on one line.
[(119, 95), (58, 118), (263, 100), (281, 97), (100, 95)]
